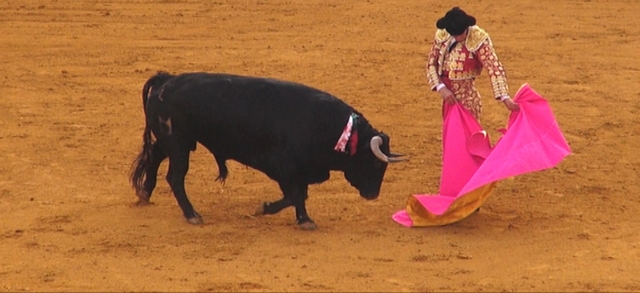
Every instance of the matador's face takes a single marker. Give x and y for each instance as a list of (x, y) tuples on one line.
[(461, 37)]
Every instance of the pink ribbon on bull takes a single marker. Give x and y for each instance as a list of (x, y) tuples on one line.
[(346, 136)]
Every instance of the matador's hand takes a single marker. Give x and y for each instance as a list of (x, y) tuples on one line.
[(447, 95), (511, 105)]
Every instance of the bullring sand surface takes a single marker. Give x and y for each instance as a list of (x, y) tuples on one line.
[(71, 122)]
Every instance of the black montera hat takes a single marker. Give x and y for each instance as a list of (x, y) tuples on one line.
[(456, 21)]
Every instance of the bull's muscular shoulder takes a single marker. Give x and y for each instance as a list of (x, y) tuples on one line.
[(442, 36), (475, 38)]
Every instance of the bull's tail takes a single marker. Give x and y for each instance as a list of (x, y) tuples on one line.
[(154, 83), (142, 162)]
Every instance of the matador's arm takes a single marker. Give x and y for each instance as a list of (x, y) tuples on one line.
[(495, 70)]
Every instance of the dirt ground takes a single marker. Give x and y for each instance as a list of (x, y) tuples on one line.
[(71, 123)]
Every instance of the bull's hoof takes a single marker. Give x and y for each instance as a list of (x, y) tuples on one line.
[(308, 226), (142, 202), (196, 220), (259, 211)]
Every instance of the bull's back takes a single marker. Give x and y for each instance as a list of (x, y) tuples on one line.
[(254, 120)]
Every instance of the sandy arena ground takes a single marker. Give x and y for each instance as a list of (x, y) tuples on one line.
[(71, 122)]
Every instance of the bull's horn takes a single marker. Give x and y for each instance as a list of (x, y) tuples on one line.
[(394, 158), (375, 143)]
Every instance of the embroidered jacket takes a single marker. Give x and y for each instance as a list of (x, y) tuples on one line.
[(465, 62)]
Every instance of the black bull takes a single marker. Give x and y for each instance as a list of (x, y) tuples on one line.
[(286, 130)]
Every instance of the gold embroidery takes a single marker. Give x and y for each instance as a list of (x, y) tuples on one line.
[(442, 35), (454, 64), (479, 47), (475, 38), (434, 64), (495, 70), (466, 93)]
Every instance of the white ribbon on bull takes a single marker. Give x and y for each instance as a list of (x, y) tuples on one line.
[(346, 135)]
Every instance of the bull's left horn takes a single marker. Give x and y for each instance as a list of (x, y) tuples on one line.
[(375, 144), (394, 158)]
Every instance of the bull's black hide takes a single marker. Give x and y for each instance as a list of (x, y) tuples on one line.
[(293, 133)]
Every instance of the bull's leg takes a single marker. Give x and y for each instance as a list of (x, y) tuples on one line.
[(157, 156), (302, 218), (295, 195), (178, 167), (223, 172), (271, 208)]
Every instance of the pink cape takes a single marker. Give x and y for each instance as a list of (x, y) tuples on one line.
[(471, 166)]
